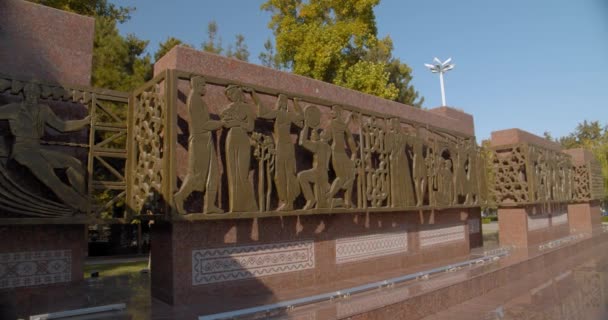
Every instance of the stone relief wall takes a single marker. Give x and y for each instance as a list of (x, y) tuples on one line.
[(251, 151), (61, 148), (527, 174)]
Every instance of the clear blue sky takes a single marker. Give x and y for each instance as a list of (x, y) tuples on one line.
[(539, 65)]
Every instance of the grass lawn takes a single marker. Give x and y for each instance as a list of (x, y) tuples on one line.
[(106, 270)]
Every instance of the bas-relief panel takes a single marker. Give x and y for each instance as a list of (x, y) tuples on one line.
[(442, 235), (32, 268), (253, 261), (358, 248), (253, 150), (62, 150)]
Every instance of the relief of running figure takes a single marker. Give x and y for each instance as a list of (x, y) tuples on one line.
[(27, 121)]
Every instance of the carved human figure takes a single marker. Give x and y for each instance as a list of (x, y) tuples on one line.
[(460, 157), (339, 134), (433, 161), (285, 179), (203, 170), (419, 166), (472, 184), (317, 175), (28, 120), (445, 186), (239, 118), (401, 191)]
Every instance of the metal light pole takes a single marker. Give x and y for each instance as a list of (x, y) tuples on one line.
[(441, 68)]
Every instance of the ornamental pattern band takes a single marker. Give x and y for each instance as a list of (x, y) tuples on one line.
[(33, 268), (246, 262), (358, 248)]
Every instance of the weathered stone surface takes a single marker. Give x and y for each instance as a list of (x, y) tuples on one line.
[(46, 44), (187, 59), (515, 136)]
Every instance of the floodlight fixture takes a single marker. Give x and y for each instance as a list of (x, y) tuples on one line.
[(441, 68)]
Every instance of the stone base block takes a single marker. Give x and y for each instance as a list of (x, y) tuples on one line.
[(37, 262), (232, 264), (585, 217), (526, 226)]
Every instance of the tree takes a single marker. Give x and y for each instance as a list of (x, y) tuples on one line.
[(213, 44), (167, 45), (336, 41), (268, 58), (593, 136), (119, 62), (586, 135), (93, 8), (240, 49)]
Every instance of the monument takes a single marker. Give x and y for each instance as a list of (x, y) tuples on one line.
[(543, 193), (322, 188), (56, 135), (264, 186)]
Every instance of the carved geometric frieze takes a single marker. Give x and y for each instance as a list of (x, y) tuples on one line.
[(33, 268), (596, 181), (358, 248), (588, 181), (254, 261), (439, 236), (526, 173), (581, 183)]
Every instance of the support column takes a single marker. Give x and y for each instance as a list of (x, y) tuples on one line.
[(513, 227), (584, 213), (585, 217)]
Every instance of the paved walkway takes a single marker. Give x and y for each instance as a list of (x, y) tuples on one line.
[(115, 259), (490, 227)]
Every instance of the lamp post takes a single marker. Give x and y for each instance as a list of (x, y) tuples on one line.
[(441, 68)]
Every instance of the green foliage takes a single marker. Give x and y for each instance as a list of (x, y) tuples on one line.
[(93, 8), (593, 136), (167, 45), (240, 49), (117, 61), (213, 43), (336, 41), (366, 76), (486, 220), (269, 58), (605, 219)]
